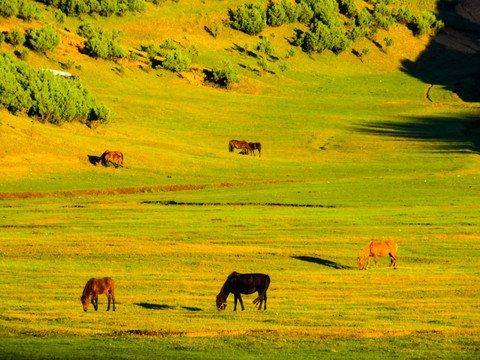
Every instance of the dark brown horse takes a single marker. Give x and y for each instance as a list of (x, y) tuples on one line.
[(255, 146), (95, 287), (239, 144), (376, 248), (244, 284), (111, 157)]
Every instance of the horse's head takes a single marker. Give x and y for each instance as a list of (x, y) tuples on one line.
[(221, 302), (361, 262), (84, 300)]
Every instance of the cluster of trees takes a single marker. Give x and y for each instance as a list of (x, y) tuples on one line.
[(172, 57), (45, 96), (102, 44), (41, 39), (20, 8), (333, 24), (101, 7)]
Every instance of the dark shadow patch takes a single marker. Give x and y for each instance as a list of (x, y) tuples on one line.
[(189, 308), (447, 134), (155, 306), (323, 262), (175, 203), (451, 58)]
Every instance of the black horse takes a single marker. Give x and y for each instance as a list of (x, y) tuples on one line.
[(244, 284)]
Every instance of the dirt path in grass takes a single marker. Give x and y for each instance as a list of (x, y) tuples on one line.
[(130, 190)]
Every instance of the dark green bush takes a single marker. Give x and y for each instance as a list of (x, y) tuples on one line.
[(43, 39), (225, 74), (102, 44), (176, 60), (282, 13), (15, 36), (265, 46), (29, 11), (348, 7), (45, 96), (250, 19), (304, 13), (9, 8), (101, 7)]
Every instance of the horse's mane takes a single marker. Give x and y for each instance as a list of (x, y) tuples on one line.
[(365, 251), (229, 278)]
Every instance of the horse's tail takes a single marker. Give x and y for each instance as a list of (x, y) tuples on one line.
[(262, 295)]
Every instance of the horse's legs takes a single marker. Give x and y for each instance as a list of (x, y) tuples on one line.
[(112, 292), (376, 262), (108, 297), (394, 260), (235, 302), (95, 302), (368, 263), (241, 301)]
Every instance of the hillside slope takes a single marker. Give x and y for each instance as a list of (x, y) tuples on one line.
[(174, 129)]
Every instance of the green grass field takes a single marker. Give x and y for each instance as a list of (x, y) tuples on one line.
[(353, 151)]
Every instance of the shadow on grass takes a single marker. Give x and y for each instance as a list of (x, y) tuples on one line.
[(151, 306), (447, 134), (323, 262), (451, 58)]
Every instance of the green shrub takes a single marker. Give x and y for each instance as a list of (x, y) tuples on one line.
[(265, 46), (43, 39), (304, 13), (282, 13), (348, 7), (45, 96), (225, 74), (102, 44), (8, 8), (101, 7), (96, 47), (60, 17), (29, 11), (176, 60), (15, 36), (426, 23), (250, 19)]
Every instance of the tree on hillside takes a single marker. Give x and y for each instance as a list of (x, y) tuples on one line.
[(250, 19), (43, 39), (45, 96)]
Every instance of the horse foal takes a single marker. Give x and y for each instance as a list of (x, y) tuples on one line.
[(95, 287)]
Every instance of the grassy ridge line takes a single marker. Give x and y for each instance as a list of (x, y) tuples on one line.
[(129, 190)]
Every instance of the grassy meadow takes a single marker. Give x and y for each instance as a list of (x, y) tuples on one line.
[(353, 151)]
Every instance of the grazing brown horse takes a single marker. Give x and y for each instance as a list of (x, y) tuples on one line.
[(113, 157), (95, 287), (255, 146), (376, 248), (244, 284), (239, 144)]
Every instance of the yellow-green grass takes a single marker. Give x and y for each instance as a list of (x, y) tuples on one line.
[(352, 149), (169, 262)]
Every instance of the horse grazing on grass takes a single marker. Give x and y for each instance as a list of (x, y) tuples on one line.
[(376, 248), (239, 144), (111, 157), (95, 287), (255, 146), (244, 284)]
